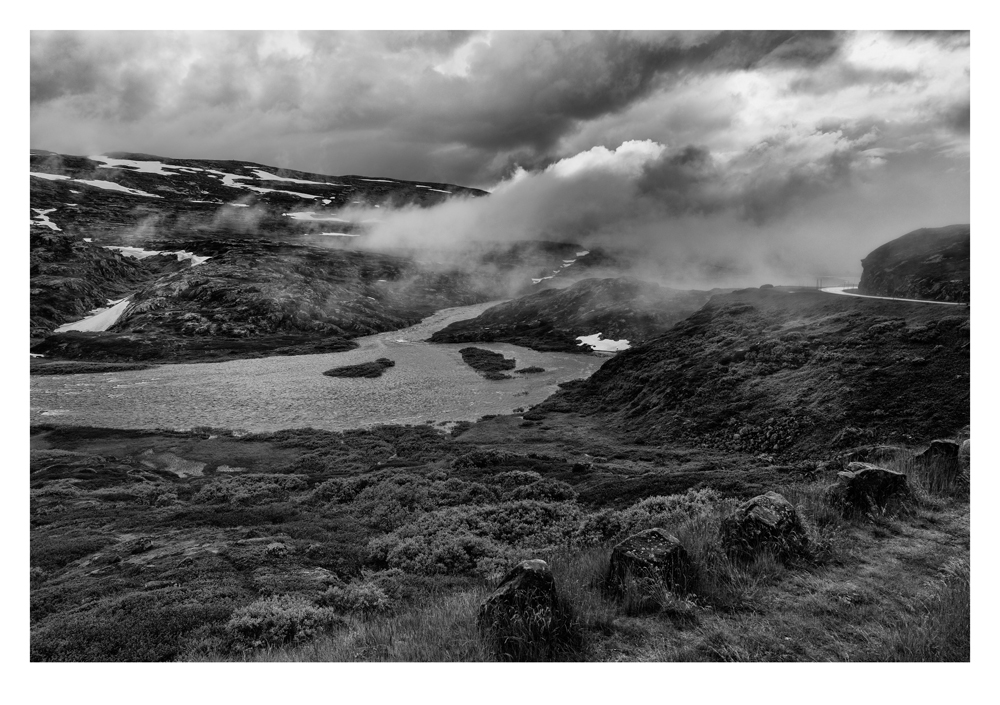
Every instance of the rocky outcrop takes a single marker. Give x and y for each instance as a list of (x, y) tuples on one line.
[(552, 319), (930, 263), (525, 619), (365, 369), (865, 488), (651, 556), (768, 523)]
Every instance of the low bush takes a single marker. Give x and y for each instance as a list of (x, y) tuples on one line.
[(362, 598), (279, 620), (135, 628), (250, 489), (457, 539)]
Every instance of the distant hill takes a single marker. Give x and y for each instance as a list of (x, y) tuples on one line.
[(552, 319), (930, 263), (138, 195)]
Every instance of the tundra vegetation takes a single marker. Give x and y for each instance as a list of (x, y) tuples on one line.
[(384, 544)]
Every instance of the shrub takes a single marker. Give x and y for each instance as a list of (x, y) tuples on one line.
[(485, 458), (365, 598), (250, 489), (277, 620), (653, 512), (457, 539), (544, 490), (135, 628), (516, 478)]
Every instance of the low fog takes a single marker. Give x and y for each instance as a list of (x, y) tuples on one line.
[(803, 207)]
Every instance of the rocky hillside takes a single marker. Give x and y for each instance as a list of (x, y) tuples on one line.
[(70, 277), (930, 263), (767, 371), (258, 297), (552, 319), (136, 196)]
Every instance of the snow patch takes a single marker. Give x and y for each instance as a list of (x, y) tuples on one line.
[(145, 167), (112, 186), (139, 253), (43, 219), (342, 234), (50, 177), (387, 181), (264, 176), (311, 216), (433, 189), (595, 343), (583, 253), (100, 321)]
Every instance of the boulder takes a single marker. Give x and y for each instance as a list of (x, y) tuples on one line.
[(965, 454), (766, 523), (863, 488), (653, 555), (524, 619), (941, 449)]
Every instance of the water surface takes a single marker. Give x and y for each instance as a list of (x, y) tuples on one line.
[(429, 383)]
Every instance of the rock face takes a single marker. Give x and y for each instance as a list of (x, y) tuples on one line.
[(551, 319), (941, 449), (524, 619), (653, 555), (766, 523), (863, 488), (930, 263)]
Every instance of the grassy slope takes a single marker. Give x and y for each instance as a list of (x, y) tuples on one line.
[(132, 561), (796, 374)]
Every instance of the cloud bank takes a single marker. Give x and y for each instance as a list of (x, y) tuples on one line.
[(799, 147)]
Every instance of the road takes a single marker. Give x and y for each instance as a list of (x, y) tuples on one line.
[(842, 290)]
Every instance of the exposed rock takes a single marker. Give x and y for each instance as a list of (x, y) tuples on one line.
[(365, 369), (930, 263), (487, 363), (942, 449), (524, 618), (653, 555), (869, 453), (965, 454), (864, 487), (766, 523)]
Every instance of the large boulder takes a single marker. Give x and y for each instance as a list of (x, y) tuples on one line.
[(864, 488), (652, 555), (965, 454), (941, 449), (768, 523), (525, 619)]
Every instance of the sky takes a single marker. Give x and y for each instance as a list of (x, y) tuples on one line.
[(803, 150)]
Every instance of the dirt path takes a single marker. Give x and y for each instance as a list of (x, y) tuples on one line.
[(842, 291)]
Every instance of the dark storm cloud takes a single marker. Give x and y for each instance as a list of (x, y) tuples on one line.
[(957, 117), (558, 80), (522, 92)]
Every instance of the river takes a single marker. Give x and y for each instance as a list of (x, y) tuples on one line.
[(430, 383)]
